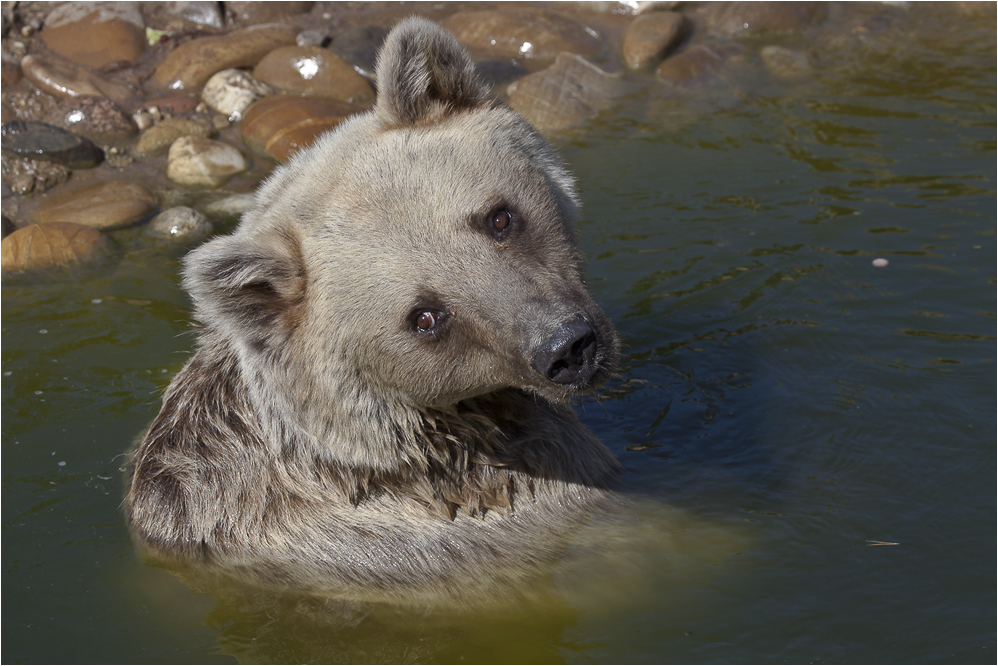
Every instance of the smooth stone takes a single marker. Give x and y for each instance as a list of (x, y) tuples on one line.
[(565, 94), (231, 91), (96, 118), (311, 38), (158, 138), (737, 18), (47, 142), (195, 160), (180, 223), (521, 33), (232, 206), (95, 33), (359, 46), (62, 78), (182, 15), (251, 13), (651, 37), (785, 63), (695, 64), (281, 125), (40, 245), (313, 71), (190, 65), (109, 205), (24, 175)]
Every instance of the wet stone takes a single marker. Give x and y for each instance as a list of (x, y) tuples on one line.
[(231, 207), (181, 16), (179, 224), (313, 71), (108, 205), (158, 138), (749, 18), (41, 245), (696, 63), (26, 175), (95, 118), (359, 47), (281, 125), (653, 36), (8, 227), (204, 162), (62, 78), (190, 65), (43, 141), (231, 91), (312, 38), (566, 93), (521, 33), (95, 33), (252, 13)]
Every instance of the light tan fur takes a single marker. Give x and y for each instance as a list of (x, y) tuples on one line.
[(318, 439)]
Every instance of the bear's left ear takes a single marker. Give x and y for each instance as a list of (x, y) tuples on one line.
[(424, 74), (249, 288)]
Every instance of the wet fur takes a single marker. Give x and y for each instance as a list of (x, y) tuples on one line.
[(315, 440)]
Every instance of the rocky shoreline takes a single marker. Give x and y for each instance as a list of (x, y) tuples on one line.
[(167, 114)]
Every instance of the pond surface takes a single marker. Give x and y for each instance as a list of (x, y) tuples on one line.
[(811, 436)]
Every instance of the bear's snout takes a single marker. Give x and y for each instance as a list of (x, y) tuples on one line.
[(569, 355)]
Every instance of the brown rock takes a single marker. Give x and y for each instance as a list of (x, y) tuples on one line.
[(190, 65), (161, 136), (735, 18), (95, 33), (651, 37), (39, 245), (566, 93), (695, 63), (313, 71), (521, 33), (62, 78), (96, 118), (24, 175), (109, 205), (252, 13), (181, 16), (281, 125)]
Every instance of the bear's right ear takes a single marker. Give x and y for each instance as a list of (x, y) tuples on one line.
[(424, 74), (249, 288)]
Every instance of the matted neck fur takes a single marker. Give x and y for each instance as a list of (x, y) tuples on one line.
[(378, 405)]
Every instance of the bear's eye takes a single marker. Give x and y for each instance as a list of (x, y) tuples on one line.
[(427, 321), (501, 221)]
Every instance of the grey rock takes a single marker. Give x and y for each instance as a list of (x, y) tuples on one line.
[(179, 224)]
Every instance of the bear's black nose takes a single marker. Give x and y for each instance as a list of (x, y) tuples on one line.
[(569, 356)]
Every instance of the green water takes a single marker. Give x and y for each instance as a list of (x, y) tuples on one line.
[(811, 438)]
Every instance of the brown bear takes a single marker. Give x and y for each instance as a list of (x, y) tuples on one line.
[(378, 406)]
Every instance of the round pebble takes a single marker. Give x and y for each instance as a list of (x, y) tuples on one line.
[(281, 125), (95, 118), (95, 33), (231, 91), (880, 262), (158, 138), (194, 160), (179, 224)]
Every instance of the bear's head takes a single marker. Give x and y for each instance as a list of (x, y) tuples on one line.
[(420, 255)]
